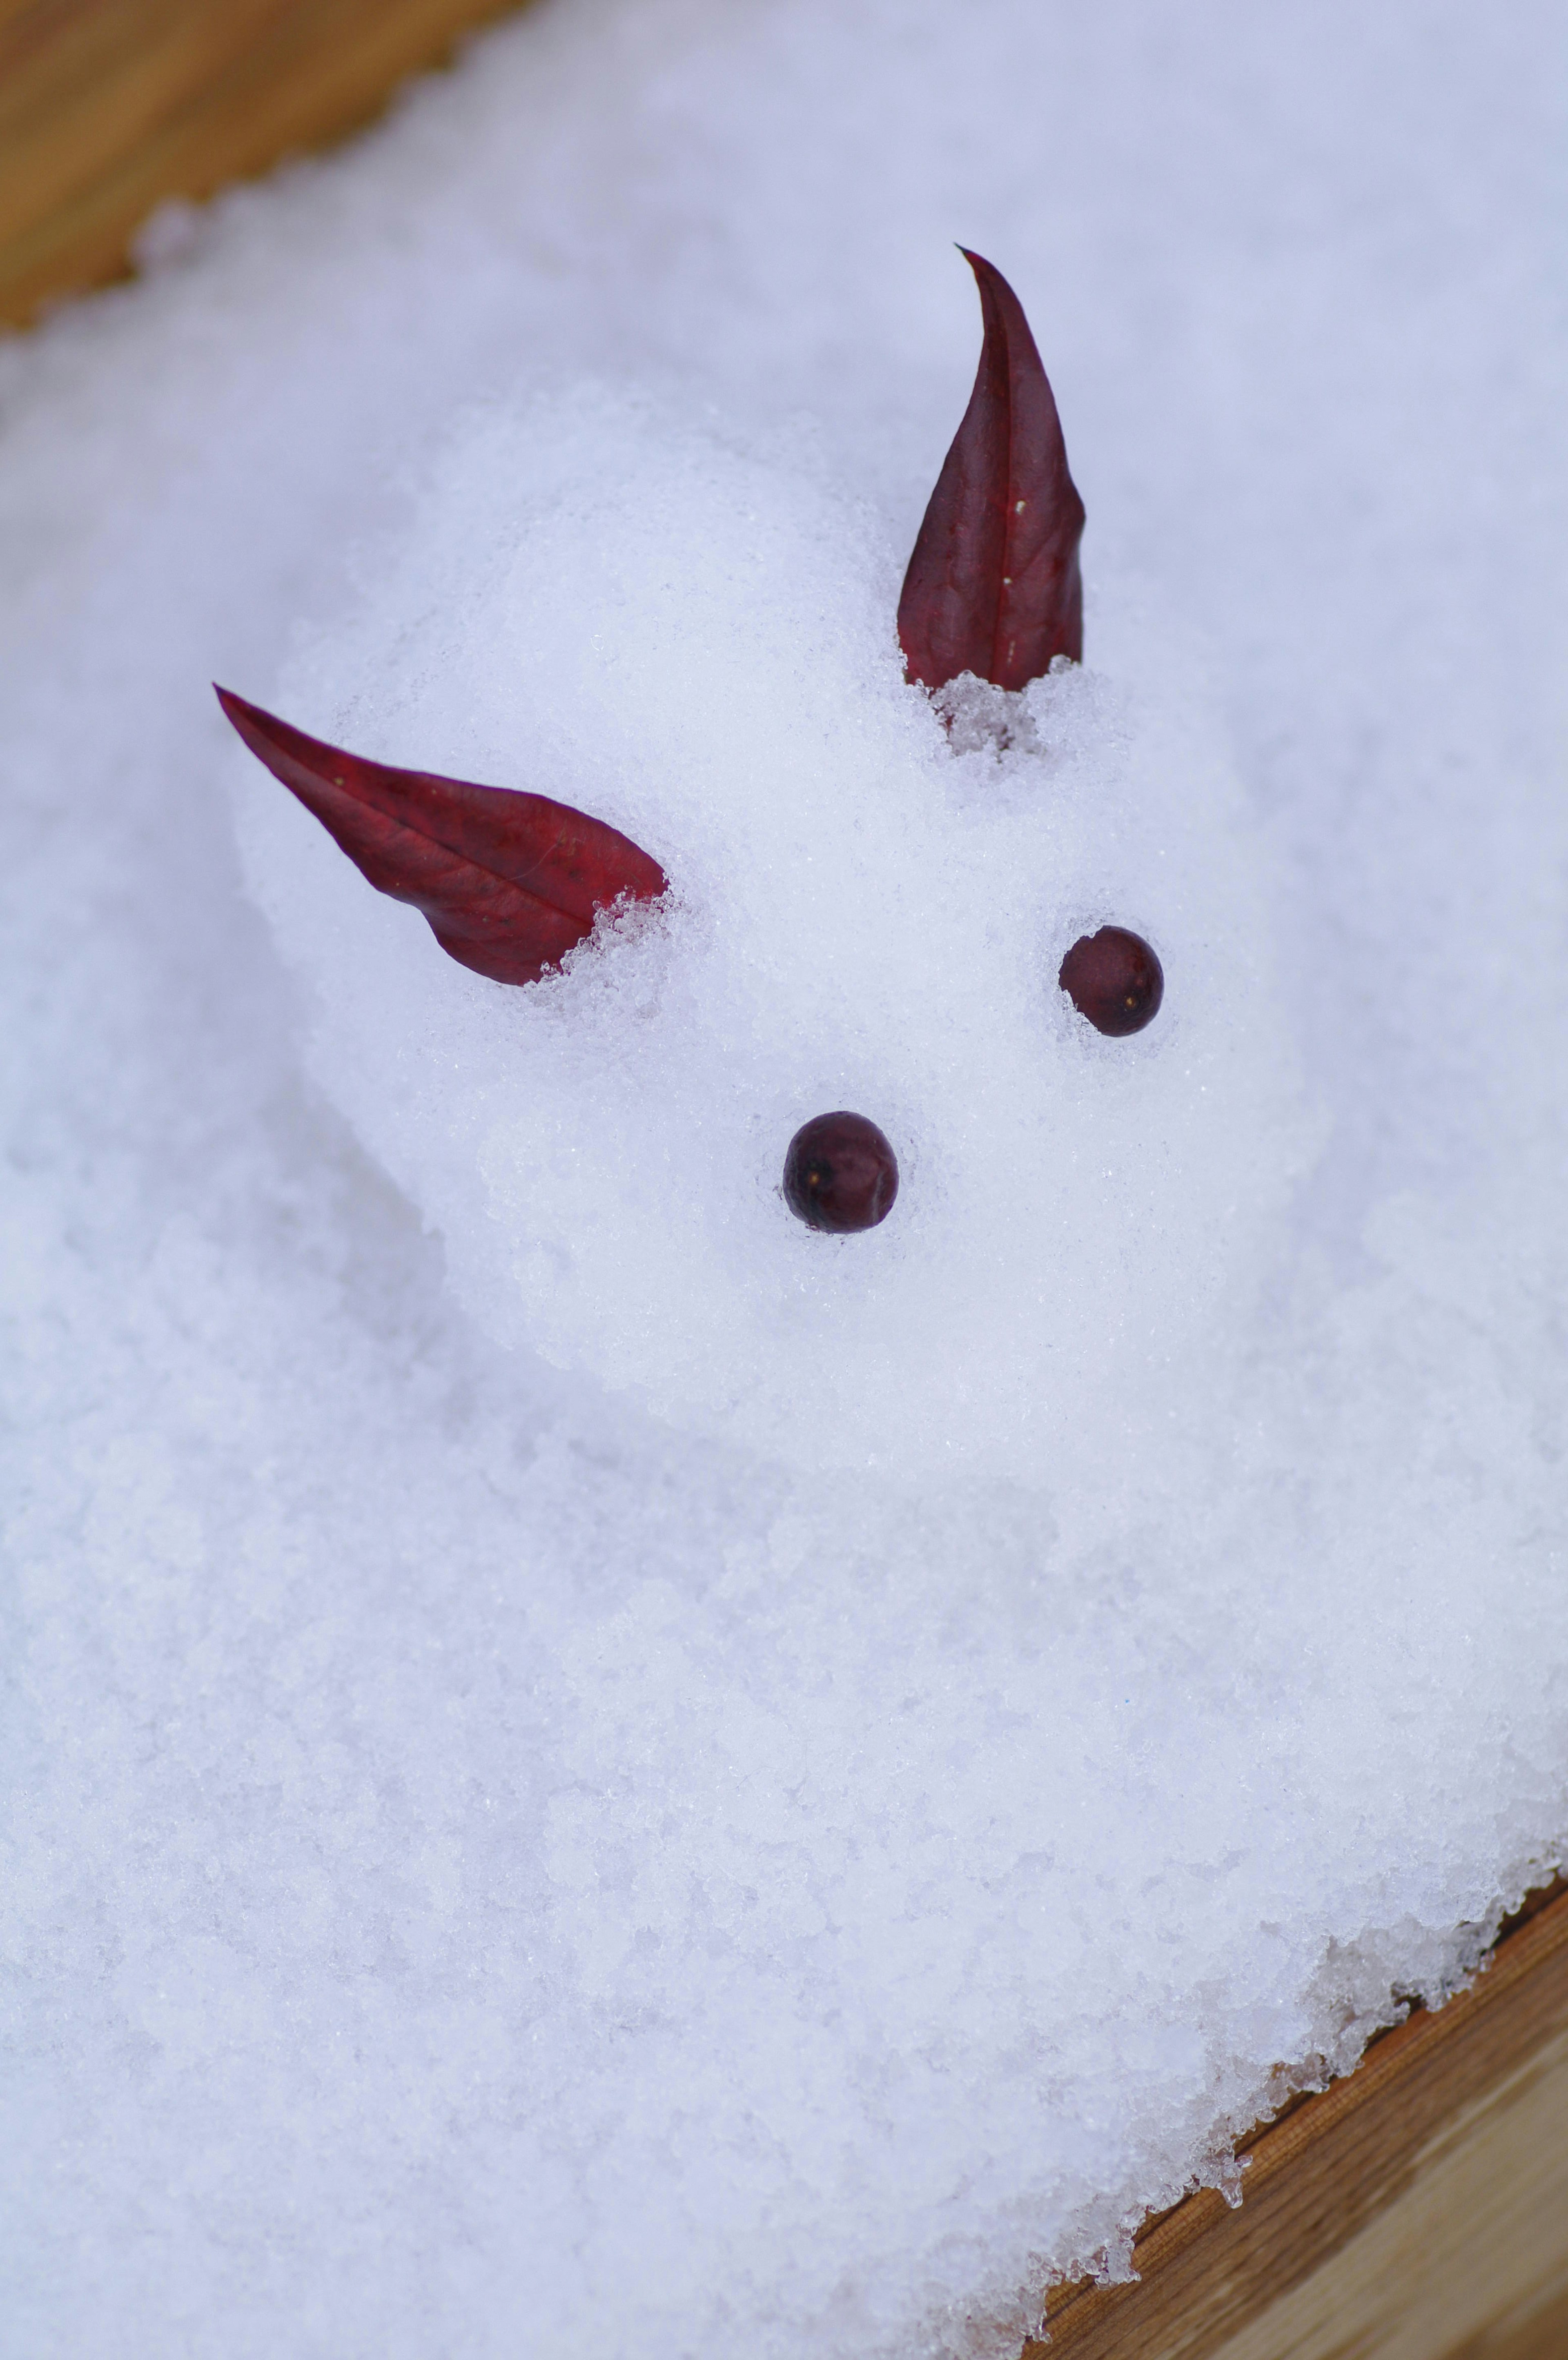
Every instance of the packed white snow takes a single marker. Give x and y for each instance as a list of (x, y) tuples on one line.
[(593, 1769), (698, 647)]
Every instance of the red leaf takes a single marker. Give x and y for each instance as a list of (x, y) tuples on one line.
[(510, 882), (994, 585)]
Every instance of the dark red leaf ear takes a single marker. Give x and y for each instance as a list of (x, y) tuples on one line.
[(510, 882), (994, 585)]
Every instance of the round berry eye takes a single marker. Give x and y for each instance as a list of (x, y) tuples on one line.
[(1114, 980), (840, 1174)]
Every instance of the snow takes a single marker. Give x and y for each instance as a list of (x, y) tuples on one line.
[(697, 648), (593, 1768)]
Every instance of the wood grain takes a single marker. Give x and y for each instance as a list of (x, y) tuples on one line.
[(107, 107), (1417, 2209)]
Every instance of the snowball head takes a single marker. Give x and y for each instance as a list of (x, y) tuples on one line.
[(870, 899)]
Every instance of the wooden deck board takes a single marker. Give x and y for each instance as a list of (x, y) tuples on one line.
[(108, 106), (1418, 2210)]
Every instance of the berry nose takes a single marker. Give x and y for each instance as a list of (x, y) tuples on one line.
[(840, 1174), (1114, 980)]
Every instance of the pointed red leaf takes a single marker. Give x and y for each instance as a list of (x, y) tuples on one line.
[(509, 881), (994, 585)]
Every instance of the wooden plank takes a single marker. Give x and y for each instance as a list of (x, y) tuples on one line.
[(1542, 2335), (1417, 2209), (1473, 2248), (107, 107)]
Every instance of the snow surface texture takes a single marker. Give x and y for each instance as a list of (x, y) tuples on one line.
[(689, 643), (498, 1871)]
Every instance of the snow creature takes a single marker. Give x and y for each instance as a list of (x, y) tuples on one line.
[(888, 1074)]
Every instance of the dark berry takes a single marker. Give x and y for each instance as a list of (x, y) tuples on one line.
[(1114, 980), (840, 1174)]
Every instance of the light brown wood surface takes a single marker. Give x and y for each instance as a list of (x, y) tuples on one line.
[(1417, 2209), (107, 107)]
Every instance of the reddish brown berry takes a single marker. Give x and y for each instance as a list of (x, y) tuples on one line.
[(840, 1174), (1114, 980)]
